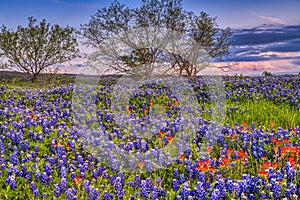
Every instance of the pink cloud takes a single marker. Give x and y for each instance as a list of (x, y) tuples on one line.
[(270, 19)]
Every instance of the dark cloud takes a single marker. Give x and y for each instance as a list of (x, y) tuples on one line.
[(251, 43), (296, 62)]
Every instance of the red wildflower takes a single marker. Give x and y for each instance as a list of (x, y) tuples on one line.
[(274, 165), (145, 111), (151, 103), (161, 133), (263, 173), (285, 140), (229, 151), (273, 139), (128, 109), (78, 180), (266, 165), (242, 154), (278, 142), (141, 164), (245, 123), (272, 123), (182, 157), (170, 138), (209, 149)]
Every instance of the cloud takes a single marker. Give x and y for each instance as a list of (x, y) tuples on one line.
[(270, 19), (78, 5)]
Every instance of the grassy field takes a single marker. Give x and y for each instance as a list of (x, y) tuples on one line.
[(43, 155)]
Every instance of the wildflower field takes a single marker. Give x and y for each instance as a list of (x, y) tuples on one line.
[(256, 155)]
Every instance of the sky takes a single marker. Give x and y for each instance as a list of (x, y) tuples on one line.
[(266, 32)]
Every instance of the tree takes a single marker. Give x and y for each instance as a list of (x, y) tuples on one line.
[(212, 42), (37, 47), (266, 73)]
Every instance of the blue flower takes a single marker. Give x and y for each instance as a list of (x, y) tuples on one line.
[(175, 185)]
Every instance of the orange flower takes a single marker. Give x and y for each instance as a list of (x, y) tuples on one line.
[(272, 123), (182, 157), (207, 162), (151, 103), (30, 115), (275, 148), (273, 139), (229, 151), (176, 102), (78, 180), (225, 161), (294, 130), (245, 123), (266, 165), (209, 149), (141, 164), (232, 138), (54, 144), (264, 174), (199, 168), (278, 142), (242, 154), (61, 144), (161, 133), (212, 169), (274, 165), (170, 138), (68, 147), (128, 109), (285, 140), (145, 111)]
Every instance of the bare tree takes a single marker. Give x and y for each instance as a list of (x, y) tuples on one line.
[(163, 19), (35, 48)]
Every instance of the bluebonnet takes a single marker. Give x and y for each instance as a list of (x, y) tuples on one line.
[(149, 184), (45, 178), (144, 145), (144, 189), (63, 184), (93, 193), (13, 158), (47, 169), (175, 173), (107, 196), (63, 172), (200, 191), (70, 193), (2, 147), (56, 190), (36, 192), (175, 184), (185, 191), (181, 178), (11, 181), (137, 181)]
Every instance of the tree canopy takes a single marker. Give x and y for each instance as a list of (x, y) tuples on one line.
[(37, 47)]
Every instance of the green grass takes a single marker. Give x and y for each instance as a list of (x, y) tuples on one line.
[(263, 112)]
